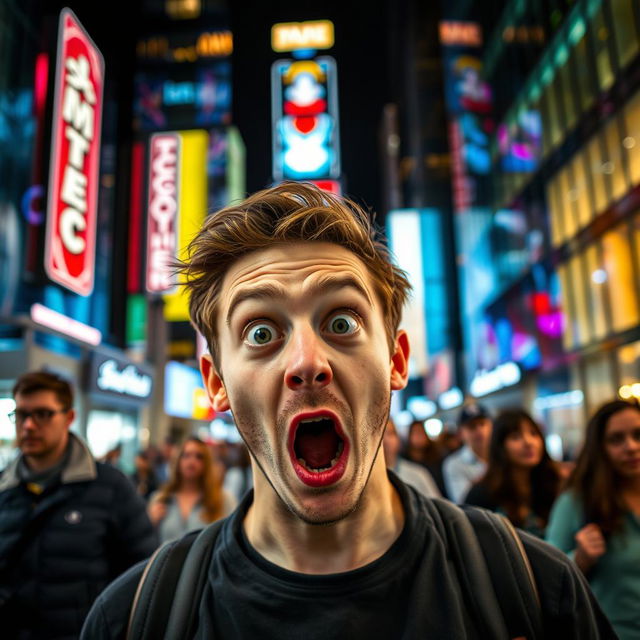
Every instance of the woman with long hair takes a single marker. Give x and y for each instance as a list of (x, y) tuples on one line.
[(193, 496), (521, 480), (597, 520)]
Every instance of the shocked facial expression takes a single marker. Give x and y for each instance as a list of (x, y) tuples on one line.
[(524, 447), (622, 442), (307, 371)]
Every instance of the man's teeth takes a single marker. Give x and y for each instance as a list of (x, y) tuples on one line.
[(309, 420)]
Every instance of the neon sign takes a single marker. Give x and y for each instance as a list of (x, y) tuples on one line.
[(75, 150), (305, 119), (295, 36), (163, 212)]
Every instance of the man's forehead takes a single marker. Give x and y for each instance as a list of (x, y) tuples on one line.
[(305, 264)]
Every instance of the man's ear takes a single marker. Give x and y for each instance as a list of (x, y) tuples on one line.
[(400, 362), (213, 384)]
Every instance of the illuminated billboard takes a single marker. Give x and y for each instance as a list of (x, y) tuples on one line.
[(302, 36), (70, 240), (306, 142), (162, 218), (177, 97)]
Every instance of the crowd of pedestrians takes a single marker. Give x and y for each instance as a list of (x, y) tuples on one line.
[(55, 488)]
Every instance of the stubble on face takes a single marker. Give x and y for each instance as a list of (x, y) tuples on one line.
[(253, 431)]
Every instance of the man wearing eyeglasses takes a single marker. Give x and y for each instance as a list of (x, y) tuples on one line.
[(68, 525)]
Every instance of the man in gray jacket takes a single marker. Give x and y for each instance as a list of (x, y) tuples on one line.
[(68, 525)]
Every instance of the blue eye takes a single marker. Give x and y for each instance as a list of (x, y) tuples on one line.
[(260, 334), (342, 324)]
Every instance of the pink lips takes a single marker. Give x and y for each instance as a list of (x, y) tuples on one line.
[(318, 478)]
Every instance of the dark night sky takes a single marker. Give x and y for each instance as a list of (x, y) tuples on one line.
[(360, 52)]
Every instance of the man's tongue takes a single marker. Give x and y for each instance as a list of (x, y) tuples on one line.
[(317, 447)]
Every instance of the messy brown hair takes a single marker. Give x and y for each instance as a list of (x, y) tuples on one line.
[(288, 212), (34, 381)]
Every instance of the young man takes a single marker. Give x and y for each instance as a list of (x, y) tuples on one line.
[(300, 306), (68, 525), (467, 465)]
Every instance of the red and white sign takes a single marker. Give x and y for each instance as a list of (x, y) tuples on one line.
[(162, 218), (70, 243)]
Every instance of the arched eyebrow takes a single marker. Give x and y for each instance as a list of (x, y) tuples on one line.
[(323, 286)]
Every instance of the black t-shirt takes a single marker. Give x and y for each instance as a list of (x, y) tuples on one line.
[(410, 592)]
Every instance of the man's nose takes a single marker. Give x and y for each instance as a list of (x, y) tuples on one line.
[(307, 363)]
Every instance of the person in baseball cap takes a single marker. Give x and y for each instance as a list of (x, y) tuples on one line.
[(462, 468)]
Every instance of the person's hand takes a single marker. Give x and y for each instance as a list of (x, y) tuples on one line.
[(157, 511), (590, 546)]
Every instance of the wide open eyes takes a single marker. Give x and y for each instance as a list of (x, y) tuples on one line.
[(261, 334), (342, 324)]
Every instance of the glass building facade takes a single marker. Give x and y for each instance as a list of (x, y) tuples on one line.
[(562, 244)]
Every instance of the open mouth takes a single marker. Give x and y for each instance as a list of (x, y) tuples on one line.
[(318, 448)]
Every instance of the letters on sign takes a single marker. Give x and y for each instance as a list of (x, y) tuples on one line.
[(162, 212), (75, 155)]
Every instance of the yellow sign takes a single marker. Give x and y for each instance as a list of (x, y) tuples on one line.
[(293, 36), (192, 196)]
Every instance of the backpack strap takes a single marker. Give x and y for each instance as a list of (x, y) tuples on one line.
[(511, 572), (191, 584), (157, 596), (490, 545), (471, 569)]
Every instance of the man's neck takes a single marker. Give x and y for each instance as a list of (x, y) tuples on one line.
[(360, 538), (40, 464)]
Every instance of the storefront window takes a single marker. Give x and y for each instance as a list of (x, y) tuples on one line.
[(624, 25), (567, 199), (583, 72), (631, 141), (612, 166), (108, 430), (629, 363), (599, 381), (581, 321), (554, 212), (596, 162), (568, 335), (566, 89), (601, 36), (597, 279), (581, 190), (555, 124), (620, 277)]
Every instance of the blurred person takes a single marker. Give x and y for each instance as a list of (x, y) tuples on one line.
[(521, 480), (144, 477), (300, 305), (112, 457), (165, 459), (422, 450), (469, 463), (193, 496), (449, 440), (68, 524), (239, 478), (597, 520), (410, 472)]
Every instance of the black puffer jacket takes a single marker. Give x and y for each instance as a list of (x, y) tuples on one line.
[(80, 534)]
